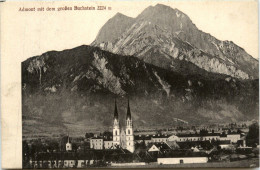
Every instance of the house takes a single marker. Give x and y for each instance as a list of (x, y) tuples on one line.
[(195, 149), (194, 137), (143, 138), (233, 137), (191, 144), (158, 147), (108, 144), (96, 143), (183, 158), (226, 145), (173, 144), (159, 138)]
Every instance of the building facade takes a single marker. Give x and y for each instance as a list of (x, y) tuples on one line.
[(208, 137), (96, 143), (108, 144)]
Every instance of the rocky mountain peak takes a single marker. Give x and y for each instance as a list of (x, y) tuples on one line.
[(119, 23), (167, 38), (166, 17)]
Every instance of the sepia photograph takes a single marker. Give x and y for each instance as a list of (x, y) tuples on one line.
[(133, 84)]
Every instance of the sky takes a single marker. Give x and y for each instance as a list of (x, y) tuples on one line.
[(27, 34)]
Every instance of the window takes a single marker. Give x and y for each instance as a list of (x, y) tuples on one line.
[(129, 131), (181, 161), (116, 132)]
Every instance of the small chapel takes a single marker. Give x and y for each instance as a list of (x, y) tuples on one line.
[(123, 137)]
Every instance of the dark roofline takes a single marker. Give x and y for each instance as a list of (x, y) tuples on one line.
[(161, 136), (198, 135), (97, 137)]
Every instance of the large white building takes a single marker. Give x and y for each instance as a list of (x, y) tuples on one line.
[(233, 137)]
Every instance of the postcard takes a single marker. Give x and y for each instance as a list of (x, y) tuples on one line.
[(129, 84)]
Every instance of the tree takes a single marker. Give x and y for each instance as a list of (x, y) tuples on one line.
[(89, 135), (74, 147), (107, 135), (252, 138), (53, 145), (203, 132), (37, 65), (26, 154), (239, 131)]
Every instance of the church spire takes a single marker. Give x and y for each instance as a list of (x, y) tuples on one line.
[(128, 115), (68, 138), (115, 111)]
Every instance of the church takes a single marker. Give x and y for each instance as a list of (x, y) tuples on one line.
[(123, 137)]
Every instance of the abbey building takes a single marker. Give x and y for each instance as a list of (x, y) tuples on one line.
[(123, 138)]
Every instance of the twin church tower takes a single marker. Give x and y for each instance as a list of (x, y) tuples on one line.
[(121, 137)]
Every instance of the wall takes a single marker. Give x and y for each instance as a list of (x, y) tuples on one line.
[(128, 164), (186, 160)]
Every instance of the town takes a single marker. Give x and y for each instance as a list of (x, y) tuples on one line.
[(126, 147)]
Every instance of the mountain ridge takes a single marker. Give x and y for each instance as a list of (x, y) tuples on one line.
[(173, 23), (73, 89)]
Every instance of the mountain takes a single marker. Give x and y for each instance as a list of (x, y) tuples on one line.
[(167, 38), (74, 91), (119, 23)]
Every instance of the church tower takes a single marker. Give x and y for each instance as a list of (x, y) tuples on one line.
[(129, 131), (68, 145), (116, 128)]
